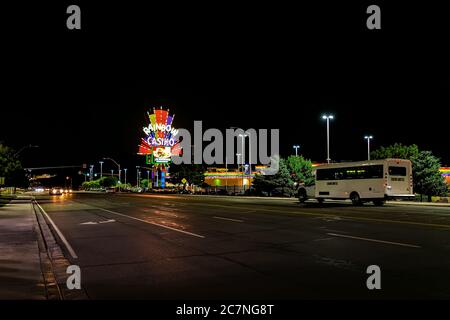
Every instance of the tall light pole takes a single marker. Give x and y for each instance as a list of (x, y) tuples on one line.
[(238, 157), (328, 118), (137, 176), (243, 157), (368, 138), (125, 175), (296, 147), (249, 151), (101, 169), (91, 172), (118, 166)]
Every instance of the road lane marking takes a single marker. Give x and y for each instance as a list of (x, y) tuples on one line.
[(60, 235), (374, 240), (153, 223), (229, 219), (99, 222), (343, 217)]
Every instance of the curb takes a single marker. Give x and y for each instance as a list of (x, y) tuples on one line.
[(53, 262)]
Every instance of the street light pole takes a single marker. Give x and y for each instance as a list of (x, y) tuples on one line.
[(101, 169), (125, 176), (296, 147), (137, 176), (238, 157), (118, 166), (242, 158), (328, 117), (368, 138), (249, 152)]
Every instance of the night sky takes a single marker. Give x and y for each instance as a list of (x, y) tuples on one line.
[(83, 95)]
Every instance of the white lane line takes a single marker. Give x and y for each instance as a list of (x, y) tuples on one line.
[(153, 223), (60, 235), (374, 240), (235, 220)]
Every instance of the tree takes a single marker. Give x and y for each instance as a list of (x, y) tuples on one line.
[(193, 173), (426, 176), (144, 183), (108, 181), (397, 150), (300, 170), (11, 168), (280, 180)]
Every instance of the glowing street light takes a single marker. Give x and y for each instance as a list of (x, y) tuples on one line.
[(296, 147), (328, 118), (368, 138)]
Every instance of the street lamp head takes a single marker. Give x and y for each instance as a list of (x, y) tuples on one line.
[(368, 137), (325, 117)]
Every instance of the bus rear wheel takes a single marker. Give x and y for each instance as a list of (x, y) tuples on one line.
[(378, 202), (355, 198), (302, 197)]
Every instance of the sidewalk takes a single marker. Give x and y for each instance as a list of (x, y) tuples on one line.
[(20, 267)]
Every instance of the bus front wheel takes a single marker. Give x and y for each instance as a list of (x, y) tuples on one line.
[(355, 198)]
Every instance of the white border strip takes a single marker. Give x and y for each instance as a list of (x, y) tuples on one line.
[(60, 235), (153, 223), (222, 218), (374, 240)]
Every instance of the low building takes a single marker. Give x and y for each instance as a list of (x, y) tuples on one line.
[(231, 180)]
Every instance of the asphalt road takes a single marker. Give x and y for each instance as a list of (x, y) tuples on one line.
[(212, 247)]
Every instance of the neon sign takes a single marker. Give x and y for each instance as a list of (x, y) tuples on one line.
[(161, 141)]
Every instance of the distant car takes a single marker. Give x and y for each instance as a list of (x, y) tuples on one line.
[(56, 191)]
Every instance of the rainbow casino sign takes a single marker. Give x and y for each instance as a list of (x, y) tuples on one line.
[(159, 144)]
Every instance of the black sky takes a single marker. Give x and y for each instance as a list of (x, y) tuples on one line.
[(83, 95)]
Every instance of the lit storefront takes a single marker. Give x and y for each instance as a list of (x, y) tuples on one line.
[(231, 180)]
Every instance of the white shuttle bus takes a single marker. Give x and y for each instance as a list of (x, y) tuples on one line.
[(364, 181)]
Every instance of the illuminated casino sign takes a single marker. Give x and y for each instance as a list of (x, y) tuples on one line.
[(161, 141)]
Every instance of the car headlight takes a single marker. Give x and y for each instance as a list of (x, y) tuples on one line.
[(53, 191), (70, 190), (61, 190)]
